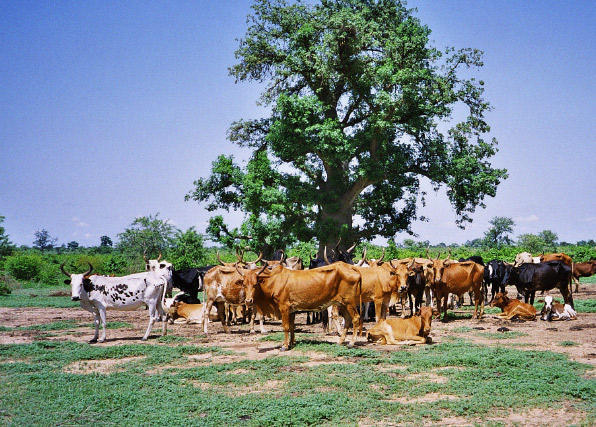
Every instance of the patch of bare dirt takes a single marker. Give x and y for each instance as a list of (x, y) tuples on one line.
[(429, 397), (564, 416), (428, 377), (101, 366)]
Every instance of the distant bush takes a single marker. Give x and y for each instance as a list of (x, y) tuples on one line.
[(24, 267), (50, 274), (7, 284)]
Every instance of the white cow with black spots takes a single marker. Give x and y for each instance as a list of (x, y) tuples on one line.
[(98, 293)]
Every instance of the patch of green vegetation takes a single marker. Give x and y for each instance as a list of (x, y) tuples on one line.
[(462, 329), (172, 339), (502, 335), (284, 389), (568, 343), (36, 297), (64, 325), (585, 305)]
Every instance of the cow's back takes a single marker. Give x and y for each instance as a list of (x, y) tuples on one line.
[(461, 277)]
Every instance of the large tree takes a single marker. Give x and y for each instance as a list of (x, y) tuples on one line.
[(147, 234), (363, 108), (498, 233)]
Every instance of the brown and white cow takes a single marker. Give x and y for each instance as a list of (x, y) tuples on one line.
[(394, 330), (554, 310), (283, 292), (513, 308)]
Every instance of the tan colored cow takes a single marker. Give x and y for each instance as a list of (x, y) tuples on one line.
[(394, 330), (513, 308), (283, 292), (181, 312), (458, 278)]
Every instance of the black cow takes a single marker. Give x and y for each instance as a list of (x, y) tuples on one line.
[(496, 273), (529, 278), (415, 285), (190, 281), (476, 258)]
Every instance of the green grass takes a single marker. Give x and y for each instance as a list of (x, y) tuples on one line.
[(568, 343), (283, 389), (24, 298), (502, 335), (64, 325)]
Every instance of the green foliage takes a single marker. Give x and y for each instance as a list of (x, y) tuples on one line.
[(148, 234), (43, 241), (585, 305), (498, 234), (7, 284), (187, 250), (544, 241), (105, 241), (358, 94), (6, 246), (24, 266), (549, 238), (568, 344)]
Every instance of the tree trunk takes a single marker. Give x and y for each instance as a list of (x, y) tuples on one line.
[(336, 223)]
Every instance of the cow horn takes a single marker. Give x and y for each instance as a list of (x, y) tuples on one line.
[(219, 259), (411, 264), (351, 248), (363, 260), (391, 264), (338, 242), (63, 270), (159, 257), (449, 255), (239, 255), (283, 256), (90, 270), (145, 256), (263, 269), (259, 258), (380, 261), (238, 270), (325, 256), (426, 253), (438, 256)]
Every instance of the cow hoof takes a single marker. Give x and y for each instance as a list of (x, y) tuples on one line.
[(143, 339), (283, 348), (93, 341), (429, 340), (101, 341), (350, 345)]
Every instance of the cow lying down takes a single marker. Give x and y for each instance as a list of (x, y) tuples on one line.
[(181, 312), (513, 308), (414, 330), (553, 310)]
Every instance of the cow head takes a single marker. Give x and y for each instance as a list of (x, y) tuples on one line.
[(547, 310), (251, 279), (78, 282), (426, 316), (402, 273), (500, 300), (438, 268)]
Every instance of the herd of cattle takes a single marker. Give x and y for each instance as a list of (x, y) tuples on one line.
[(335, 289)]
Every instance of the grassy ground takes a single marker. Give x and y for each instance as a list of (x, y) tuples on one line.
[(467, 380)]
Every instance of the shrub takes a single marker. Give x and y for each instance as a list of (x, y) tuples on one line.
[(115, 264), (7, 284), (50, 274), (24, 267)]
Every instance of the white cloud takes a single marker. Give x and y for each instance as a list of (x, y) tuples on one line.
[(529, 218), (78, 222), (87, 234)]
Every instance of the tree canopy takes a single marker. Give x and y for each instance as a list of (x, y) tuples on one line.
[(43, 241), (498, 234), (363, 109), (147, 234)]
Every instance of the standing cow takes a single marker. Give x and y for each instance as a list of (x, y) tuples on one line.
[(98, 293), (529, 278)]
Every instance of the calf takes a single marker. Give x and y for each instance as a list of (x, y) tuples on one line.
[(394, 330), (181, 312), (513, 308), (556, 311)]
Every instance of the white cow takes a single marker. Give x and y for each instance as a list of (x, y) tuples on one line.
[(98, 293)]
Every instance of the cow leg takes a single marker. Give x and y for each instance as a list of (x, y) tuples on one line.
[(443, 299), (567, 297), (356, 323), (344, 313), (221, 314), (292, 329), (102, 316), (285, 321), (207, 310), (428, 297), (262, 322), (96, 321), (152, 316)]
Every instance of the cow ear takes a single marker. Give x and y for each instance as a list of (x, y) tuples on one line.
[(67, 282)]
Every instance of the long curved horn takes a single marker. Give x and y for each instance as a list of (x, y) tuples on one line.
[(145, 256), (438, 255), (63, 270), (238, 270), (391, 264), (159, 257), (426, 253), (283, 256), (325, 256), (263, 269), (259, 258), (363, 260), (411, 264), (90, 269), (219, 259), (449, 256), (338, 242), (238, 257), (310, 255), (380, 261), (351, 248)]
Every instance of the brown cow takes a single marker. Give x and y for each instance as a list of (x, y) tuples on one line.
[(223, 284), (458, 278), (181, 312), (513, 308), (283, 292), (378, 282), (583, 269), (394, 330), (564, 258)]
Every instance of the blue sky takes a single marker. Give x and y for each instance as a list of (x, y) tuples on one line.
[(110, 110)]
